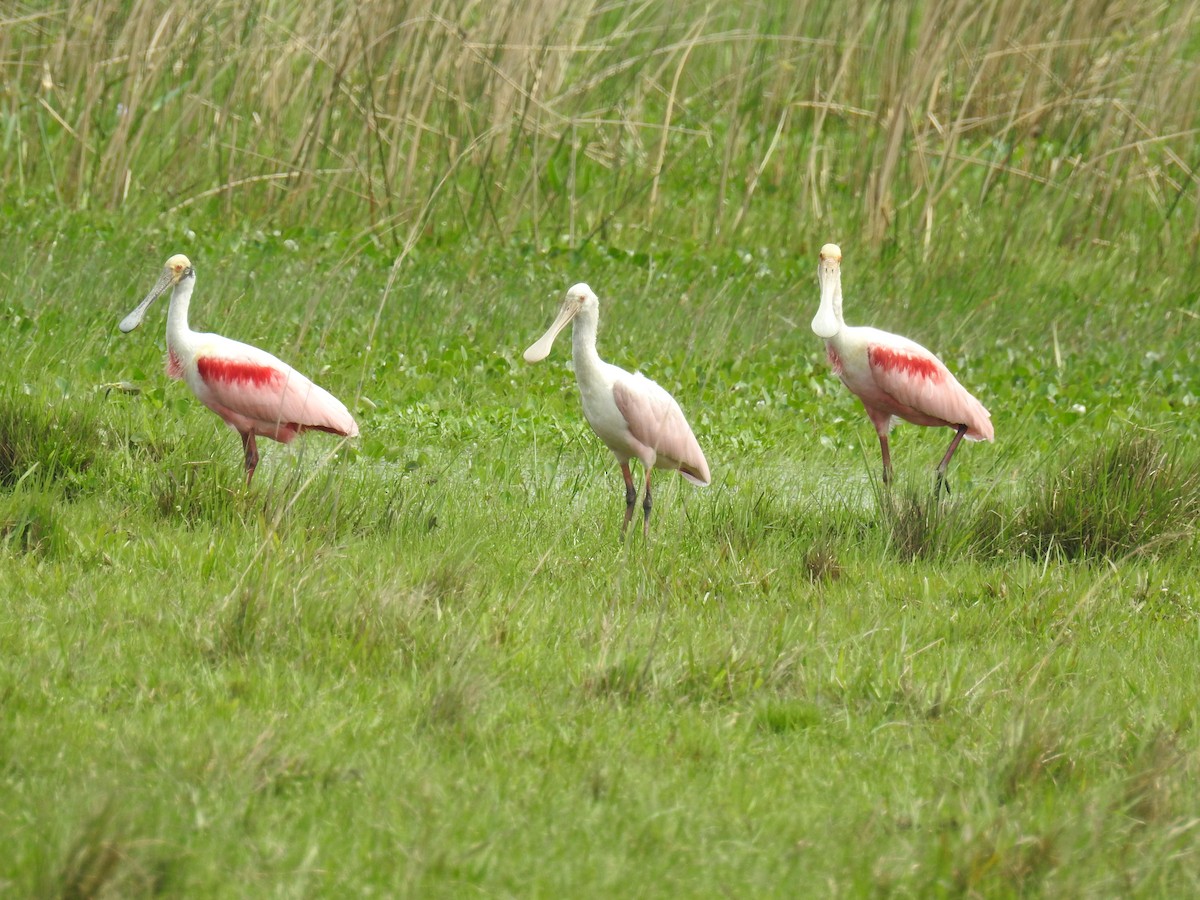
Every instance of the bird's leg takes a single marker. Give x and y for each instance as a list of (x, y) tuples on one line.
[(887, 458), (941, 469), (251, 448), (647, 503), (630, 496)]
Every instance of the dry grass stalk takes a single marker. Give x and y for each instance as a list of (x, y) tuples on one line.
[(578, 116)]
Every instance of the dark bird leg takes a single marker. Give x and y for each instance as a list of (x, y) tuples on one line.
[(251, 448), (887, 457), (646, 505), (630, 496), (941, 469)]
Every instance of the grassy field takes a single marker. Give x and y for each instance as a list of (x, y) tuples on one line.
[(422, 662)]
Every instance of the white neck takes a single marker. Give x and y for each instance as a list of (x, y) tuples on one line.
[(583, 342), (178, 331)]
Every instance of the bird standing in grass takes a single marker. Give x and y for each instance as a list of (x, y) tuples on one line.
[(632, 415), (892, 375), (255, 393)]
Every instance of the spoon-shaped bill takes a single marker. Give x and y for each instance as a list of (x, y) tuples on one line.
[(134, 319), (540, 349)]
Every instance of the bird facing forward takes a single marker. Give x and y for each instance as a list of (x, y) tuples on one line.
[(893, 376)]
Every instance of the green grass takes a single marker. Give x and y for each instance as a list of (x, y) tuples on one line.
[(422, 662), (428, 665)]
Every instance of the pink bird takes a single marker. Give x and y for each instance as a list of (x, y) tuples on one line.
[(630, 413), (255, 393), (892, 375)]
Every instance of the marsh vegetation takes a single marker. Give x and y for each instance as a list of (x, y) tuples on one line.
[(423, 662)]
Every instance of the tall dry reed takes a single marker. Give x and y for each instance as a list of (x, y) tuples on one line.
[(557, 121)]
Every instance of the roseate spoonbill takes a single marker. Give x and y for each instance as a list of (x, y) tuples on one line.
[(630, 413), (892, 375), (255, 393)]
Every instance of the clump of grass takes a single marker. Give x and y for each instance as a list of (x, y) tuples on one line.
[(742, 521), (1033, 752), (1126, 494), (723, 674), (93, 865), (920, 524), (1000, 860), (1157, 769), (28, 523), (239, 632), (279, 776), (43, 441), (628, 679), (452, 698), (821, 562), (383, 626), (784, 715), (192, 494)]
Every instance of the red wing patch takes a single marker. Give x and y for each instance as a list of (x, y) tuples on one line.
[(903, 363), (239, 372)]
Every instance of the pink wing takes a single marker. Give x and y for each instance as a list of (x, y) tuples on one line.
[(919, 383), (256, 386), (655, 419)]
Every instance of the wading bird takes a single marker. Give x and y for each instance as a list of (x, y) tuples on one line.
[(255, 393), (630, 413), (892, 375)]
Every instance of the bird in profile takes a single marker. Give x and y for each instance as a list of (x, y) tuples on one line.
[(252, 391), (893, 376), (632, 415)]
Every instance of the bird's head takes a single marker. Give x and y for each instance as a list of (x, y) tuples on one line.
[(579, 297), (178, 268), (828, 320)]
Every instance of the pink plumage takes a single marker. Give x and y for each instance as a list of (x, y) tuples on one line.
[(266, 395), (635, 417), (658, 431), (892, 375), (255, 393)]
